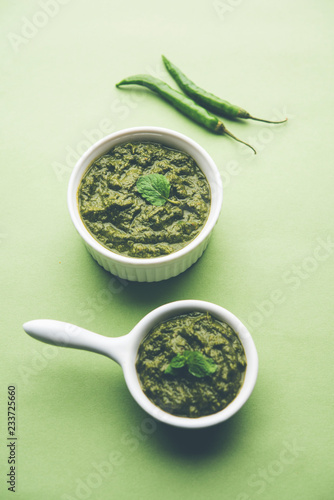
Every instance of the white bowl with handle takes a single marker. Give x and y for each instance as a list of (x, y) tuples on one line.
[(124, 351)]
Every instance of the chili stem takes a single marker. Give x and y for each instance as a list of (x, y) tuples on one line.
[(239, 140), (266, 121)]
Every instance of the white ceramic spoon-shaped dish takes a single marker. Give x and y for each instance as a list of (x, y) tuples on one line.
[(124, 350)]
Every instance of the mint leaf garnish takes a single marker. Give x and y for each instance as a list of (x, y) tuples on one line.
[(197, 363), (155, 188), (200, 365), (171, 371), (178, 361)]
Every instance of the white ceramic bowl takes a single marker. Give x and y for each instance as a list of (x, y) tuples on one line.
[(124, 351), (158, 268)]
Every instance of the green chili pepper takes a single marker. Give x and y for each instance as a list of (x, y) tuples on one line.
[(208, 100), (182, 103)]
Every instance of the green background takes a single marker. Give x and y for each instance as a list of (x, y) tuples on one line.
[(270, 260)]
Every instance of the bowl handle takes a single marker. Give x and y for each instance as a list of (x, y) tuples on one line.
[(63, 334)]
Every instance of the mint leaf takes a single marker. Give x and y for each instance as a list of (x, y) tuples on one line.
[(200, 365), (169, 370), (178, 361), (155, 188), (197, 363)]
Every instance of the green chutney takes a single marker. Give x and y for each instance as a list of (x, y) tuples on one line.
[(117, 215), (184, 394)]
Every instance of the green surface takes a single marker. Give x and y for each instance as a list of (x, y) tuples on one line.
[(270, 260)]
